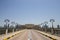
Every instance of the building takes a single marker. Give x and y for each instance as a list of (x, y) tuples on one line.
[(29, 26)]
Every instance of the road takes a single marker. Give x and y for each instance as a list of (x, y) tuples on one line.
[(30, 35)]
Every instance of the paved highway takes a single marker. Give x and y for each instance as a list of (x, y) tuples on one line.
[(30, 35)]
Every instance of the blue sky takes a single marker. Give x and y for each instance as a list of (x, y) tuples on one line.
[(30, 11)]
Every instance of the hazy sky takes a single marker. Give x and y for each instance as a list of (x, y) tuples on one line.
[(30, 11)]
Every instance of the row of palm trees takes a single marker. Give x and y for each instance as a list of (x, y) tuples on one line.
[(7, 21), (45, 23), (7, 25), (13, 23)]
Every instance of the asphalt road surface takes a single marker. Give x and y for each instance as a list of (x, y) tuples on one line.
[(30, 35)]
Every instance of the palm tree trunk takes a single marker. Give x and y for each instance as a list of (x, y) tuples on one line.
[(6, 31), (13, 30), (52, 30)]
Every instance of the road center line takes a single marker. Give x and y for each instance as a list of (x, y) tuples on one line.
[(29, 35)]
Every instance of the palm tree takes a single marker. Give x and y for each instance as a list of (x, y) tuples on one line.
[(7, 21), (45, 22), (13, 23), (52, 20), (58, 26), (7, 25), (42, 26), (45, 26)]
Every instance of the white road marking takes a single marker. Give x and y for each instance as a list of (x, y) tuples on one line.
[(29, 35)]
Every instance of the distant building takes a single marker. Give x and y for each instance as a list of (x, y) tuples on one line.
[(29, 25)]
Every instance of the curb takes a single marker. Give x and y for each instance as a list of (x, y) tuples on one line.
[(48, 36), (10, 36)]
